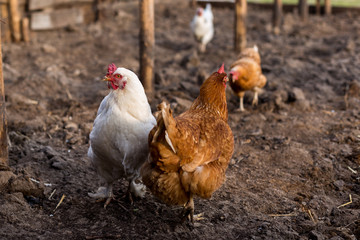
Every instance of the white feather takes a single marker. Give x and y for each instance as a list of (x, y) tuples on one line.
[(168, 140)]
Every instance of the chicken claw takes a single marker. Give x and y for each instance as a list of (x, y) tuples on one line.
[(198, 217), (189, 214), (103, 193), (108, 200)]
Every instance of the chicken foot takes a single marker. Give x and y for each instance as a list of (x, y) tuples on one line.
[(103, 193), (135, 190)]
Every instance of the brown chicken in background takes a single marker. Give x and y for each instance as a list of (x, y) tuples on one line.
[(246, 75), (189, 154)]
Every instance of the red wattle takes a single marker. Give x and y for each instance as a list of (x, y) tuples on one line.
[(114, 86)]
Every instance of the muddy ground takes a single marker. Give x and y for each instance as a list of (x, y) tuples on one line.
[(297, 154)]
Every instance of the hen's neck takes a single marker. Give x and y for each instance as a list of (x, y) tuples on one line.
[(212, 101), (131, 99)]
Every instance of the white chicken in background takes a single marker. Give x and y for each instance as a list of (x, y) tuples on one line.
[(119, 138), (202, 26)]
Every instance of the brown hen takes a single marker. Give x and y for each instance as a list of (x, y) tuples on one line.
[(189, 154), (246, 75)]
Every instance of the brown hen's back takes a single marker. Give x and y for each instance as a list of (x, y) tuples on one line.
[(189, 154)]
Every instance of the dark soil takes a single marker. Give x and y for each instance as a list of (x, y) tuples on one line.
[(297, 154)]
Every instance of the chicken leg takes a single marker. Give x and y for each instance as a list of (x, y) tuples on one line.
[(202, 47), (188, 211), (241, 96), (255, 99), (103, 193)]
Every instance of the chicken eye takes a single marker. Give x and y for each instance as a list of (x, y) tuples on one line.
[(117, 75)]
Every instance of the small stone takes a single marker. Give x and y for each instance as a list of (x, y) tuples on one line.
[(17, 197), (5, 176), (71, 127), (59, 163), (24, 185), (50, 152), (303, 104), (266, 147), (295, 95), (354, 89), (48, 48), (336, 238), (315, 235), (339, 184)]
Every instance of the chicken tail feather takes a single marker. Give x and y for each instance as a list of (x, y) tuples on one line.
[(168, 140), (167, 119)]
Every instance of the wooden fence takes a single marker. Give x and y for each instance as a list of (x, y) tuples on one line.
[(24, 16)]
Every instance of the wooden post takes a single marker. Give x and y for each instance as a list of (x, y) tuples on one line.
[(147, 40), (15, 19), (25, 29), (240, 24), (303, 10), (327, 7), (277, 16), (3, 125), (6, 34), (318, 7)]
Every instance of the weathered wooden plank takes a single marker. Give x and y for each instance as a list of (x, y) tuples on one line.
[(217, 3), (40, 4), (25, 29), (240, 24), (5, 33), (3, 127), (277, 16), (15, 20), (147, 43), (328, 7), (56, 19), (303, 10), (318, 7)]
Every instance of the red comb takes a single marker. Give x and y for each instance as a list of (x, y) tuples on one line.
[(111, 68), (221, 69)]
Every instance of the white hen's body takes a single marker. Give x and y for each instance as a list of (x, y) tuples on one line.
[(203, 27), (119, 138)]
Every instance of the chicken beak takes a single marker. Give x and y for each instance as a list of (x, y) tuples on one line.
[(106, 78)]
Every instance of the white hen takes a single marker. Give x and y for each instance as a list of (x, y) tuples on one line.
[(202, 26), (118, 140)]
